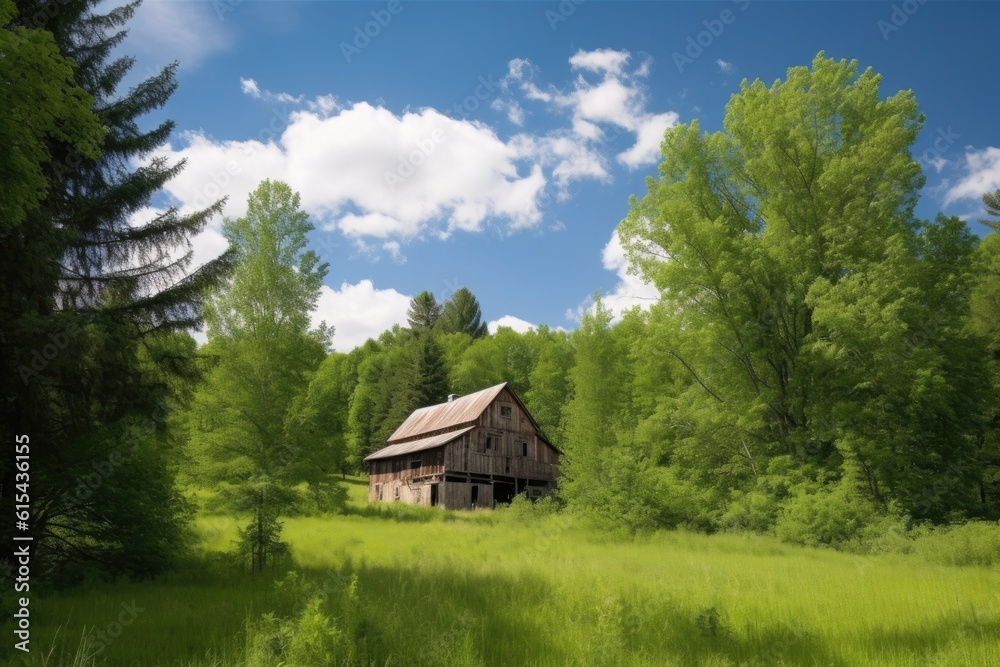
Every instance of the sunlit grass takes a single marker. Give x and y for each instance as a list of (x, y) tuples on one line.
[(434, 587)]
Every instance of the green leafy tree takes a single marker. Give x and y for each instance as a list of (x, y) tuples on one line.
[(85, 330), (593, 415), (258, 328), (461, 314), (985, 322), (793, 272), (548, 381)]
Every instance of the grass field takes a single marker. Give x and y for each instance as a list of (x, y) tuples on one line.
[(402, 586)]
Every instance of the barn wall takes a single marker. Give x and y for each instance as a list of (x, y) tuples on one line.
[(516, 453), (458, 495), (417, 494)]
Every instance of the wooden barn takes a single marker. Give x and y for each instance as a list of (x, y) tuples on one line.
[(473, 451)]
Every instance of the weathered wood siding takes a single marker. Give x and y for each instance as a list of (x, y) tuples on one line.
[(504, 443)]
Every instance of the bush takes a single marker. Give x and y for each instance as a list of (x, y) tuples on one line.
[(973, 543), (824, 515)]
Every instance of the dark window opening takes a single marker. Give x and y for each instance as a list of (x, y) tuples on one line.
[(507, 461), (524, 449), (505, 411), (415, 464), (489, 442), (475, 494)]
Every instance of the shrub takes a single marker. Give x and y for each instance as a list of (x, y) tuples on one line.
[(973, 543), (828, 515)]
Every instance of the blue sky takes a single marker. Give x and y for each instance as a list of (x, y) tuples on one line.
[(495, 145)]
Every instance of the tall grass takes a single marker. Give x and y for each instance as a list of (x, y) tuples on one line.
[(402, 585)]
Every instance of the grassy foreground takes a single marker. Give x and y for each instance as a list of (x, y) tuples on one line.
[(401, 586)]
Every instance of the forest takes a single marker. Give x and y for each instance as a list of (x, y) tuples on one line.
[(813, 396)]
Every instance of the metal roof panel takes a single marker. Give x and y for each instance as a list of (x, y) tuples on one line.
[(445, 415), (418, 445)]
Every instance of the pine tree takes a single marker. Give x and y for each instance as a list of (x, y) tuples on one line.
[(424, 311), (89, 304), (462, 314), (430, 374)]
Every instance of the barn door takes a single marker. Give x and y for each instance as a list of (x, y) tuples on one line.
[(434, 495)]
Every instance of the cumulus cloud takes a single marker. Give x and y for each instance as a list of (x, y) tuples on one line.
[(630, 291), (515, 323), (982, 175), (359, 312), (369, 173), (607, 98), (383, 178)]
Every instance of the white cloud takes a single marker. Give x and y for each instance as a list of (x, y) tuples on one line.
[(630, 291), (616, 103), (251, 88), (982, 175), (515, 323), (359, 312), (937, 162), (384, 179), (725, 67), (600, 60), (188, 32), (370, 173)]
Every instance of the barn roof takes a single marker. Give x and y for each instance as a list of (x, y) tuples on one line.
[(446, 415), (417, 445)]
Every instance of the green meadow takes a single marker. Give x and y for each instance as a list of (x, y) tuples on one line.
[(400, 585)]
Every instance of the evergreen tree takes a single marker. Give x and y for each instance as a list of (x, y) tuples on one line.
[(462, 314), (424, 311), (89, 301), (430, 374)]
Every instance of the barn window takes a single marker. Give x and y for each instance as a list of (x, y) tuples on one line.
[(397, 493), (524, 449), (508, 465), (415, 463), (505, 411), (489, 442)]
